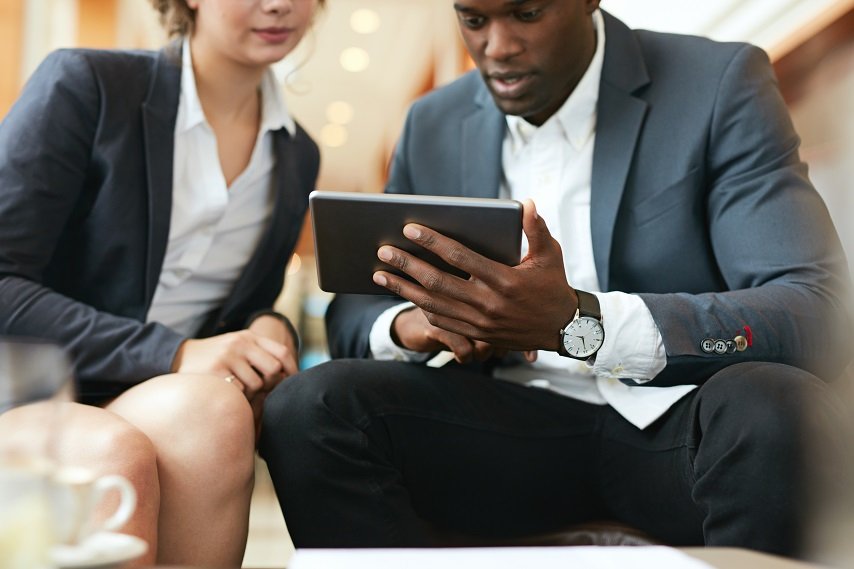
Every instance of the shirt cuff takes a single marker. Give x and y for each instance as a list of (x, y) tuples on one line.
[(633, 348), (383, 347)]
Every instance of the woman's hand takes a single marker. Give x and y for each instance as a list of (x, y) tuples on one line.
[(255, 362)]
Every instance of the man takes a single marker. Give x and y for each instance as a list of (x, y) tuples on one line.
[(682, 289)]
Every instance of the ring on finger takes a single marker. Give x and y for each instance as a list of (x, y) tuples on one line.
[(230, 379)]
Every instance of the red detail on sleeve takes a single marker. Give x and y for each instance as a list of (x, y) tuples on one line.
[(748, 334)]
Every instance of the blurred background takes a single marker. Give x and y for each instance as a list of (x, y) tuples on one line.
[(352, 81)]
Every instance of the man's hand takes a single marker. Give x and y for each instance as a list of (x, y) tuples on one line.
[(518, 308), (273, 328), (411, 330)]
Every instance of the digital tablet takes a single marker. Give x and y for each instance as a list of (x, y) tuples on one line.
[(350, 227)]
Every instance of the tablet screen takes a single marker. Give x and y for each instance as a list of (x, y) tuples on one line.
[(350, 227)]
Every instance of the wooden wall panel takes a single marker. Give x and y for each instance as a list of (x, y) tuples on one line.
[(11, 45), (794, 68), (98, 23)]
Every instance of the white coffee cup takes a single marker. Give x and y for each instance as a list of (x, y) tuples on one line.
[(26, 529), (77, 493), (35, 389)]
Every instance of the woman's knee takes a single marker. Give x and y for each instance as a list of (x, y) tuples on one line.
[(104, 443), (202, 418)]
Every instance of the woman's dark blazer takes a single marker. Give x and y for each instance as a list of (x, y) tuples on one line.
[(85, 201)]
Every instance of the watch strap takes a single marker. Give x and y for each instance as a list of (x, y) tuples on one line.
[(588, 305)]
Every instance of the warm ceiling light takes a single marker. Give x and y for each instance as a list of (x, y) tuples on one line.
[(339, 112), (333, 135), (364, 21), (355, 59)]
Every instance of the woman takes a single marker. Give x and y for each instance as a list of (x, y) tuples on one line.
[(148, 205)]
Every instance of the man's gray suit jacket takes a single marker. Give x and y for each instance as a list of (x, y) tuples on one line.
[(699, 203), (85, 203)]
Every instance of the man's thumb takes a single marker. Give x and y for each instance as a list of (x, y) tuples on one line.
[(535, 228)]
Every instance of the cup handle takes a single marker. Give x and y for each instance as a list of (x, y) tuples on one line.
[(127, 500)]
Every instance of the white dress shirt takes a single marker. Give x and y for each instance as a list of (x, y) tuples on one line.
[(214, 229), (552, 164)]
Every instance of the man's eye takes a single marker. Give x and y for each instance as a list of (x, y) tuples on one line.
[(528, 15), (472, 22)]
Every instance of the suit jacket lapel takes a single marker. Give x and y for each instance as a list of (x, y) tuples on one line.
[(159, 113), (620, 117), (482, 139)]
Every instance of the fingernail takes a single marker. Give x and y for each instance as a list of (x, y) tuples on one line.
[(380, 279), (384, 253), (412, 232)]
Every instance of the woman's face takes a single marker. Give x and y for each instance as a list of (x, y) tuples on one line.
[(251, 32)]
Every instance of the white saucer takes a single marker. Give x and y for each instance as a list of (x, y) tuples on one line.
[(103, 550)]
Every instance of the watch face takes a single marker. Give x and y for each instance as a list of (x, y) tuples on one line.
[(583, 337)]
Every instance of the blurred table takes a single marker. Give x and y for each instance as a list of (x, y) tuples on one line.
[(718, 557), (735, 558)]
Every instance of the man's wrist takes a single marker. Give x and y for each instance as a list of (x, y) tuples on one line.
[(395, 337), (382, 346), (290, 329)]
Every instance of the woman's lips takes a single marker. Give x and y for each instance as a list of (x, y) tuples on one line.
[(273, 35)]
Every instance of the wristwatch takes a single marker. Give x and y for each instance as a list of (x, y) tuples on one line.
[(583, 336)]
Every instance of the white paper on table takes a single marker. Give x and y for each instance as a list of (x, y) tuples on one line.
[(575, 557)]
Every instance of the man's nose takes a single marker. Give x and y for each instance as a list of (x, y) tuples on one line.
[(501, 42)]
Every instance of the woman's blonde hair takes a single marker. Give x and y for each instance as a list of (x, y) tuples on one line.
[(177, 17)]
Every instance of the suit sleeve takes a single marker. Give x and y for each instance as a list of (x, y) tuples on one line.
[(45, 146), (773, 241), (350, 316)]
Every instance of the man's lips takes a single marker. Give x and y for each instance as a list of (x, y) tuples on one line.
[(273, 35), (509, 85)]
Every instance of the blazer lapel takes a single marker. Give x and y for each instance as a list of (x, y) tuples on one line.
[(159, 113), (620, 117), (482, 139)]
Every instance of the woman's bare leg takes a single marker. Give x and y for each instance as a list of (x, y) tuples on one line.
[(203, 432)]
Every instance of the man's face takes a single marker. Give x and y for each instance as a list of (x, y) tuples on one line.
[(531, 53)]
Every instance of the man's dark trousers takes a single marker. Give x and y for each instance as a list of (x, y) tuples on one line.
[(384, 454)]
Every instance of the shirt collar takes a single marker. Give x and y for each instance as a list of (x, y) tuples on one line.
[(274, 110), (191, 113), (576, 118)]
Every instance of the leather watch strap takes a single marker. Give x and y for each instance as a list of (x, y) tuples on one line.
[(588, 305)]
